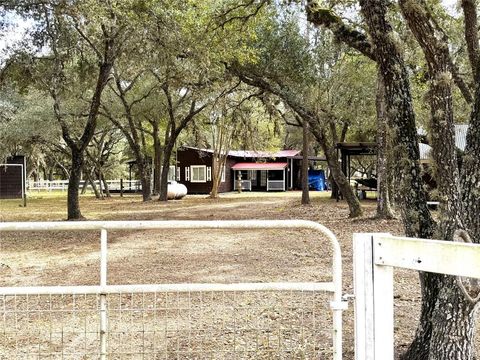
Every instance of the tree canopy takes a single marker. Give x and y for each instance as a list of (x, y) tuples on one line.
[(94, 83)]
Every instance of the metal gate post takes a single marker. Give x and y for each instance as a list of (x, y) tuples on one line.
[(338, 306), (103, 296)]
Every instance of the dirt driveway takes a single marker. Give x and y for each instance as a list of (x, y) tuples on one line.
[(198, 256)]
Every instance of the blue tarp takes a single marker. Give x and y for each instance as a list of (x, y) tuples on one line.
[(316, 180)]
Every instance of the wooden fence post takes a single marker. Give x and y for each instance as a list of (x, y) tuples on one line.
[(373, 286), (363, 289)]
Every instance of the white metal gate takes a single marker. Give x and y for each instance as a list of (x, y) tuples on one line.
[(181, 321), (375, 256)]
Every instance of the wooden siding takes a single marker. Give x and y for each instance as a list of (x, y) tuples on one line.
[(11, 179), (227, 185), (187, 157)]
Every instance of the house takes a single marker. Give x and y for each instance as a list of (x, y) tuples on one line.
[(259, 170)]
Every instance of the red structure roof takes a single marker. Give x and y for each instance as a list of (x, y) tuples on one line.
[(255, 154), (263, 154), (259, 166)]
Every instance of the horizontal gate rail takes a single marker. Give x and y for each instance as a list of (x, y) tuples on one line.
[(134, 289), (334, 287), (445, 257)]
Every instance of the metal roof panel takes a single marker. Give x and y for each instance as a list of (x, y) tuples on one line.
[(259, 166)]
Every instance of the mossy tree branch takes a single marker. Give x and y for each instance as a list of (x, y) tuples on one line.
[(342, 32)]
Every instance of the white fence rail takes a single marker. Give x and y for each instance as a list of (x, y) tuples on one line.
[(213, 321), (114, 185), (375, 256)]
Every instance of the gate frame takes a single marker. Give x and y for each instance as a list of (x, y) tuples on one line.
[(375, 256), (338, 305)]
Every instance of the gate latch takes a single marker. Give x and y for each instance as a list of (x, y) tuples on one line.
[(343, 304)]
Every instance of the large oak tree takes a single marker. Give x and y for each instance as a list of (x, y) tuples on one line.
[(446, 325)]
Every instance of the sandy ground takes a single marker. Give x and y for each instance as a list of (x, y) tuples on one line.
[(204, 256)]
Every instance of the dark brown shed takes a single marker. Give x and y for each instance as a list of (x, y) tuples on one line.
[(12, 178)]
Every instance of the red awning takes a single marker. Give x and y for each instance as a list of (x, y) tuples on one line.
[(260, 166)]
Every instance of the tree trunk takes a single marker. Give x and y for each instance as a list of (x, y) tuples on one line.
[(342, 183), (454, 315), (144, 170), (157, 147), (50, 174), (392, 189), (135, 138), (419, 349), (333, 186), (305, 192), (442, 136), (145, 179), (73, 202), (66, 174), (85, 184), (471, 35), (384, 210), (165, 167), (454, 324), (100, 185), (140, 158), (98, 194), (105, 185), (416, 217), (436, 337), (336, 171), (442, 132), (470, 179), (217, 165)]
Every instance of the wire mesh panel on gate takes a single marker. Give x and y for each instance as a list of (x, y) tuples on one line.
[(49, 326), (276, 320), (169, 325)]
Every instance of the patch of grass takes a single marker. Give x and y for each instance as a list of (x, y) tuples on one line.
[(52, 206)]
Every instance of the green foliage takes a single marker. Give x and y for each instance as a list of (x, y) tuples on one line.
[(185, 45), (337, 85), (25, 120), (284, 52)]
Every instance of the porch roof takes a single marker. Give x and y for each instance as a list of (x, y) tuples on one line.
[(260, 166)]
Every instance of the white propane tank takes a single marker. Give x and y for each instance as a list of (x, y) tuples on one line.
[(176, 190)]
